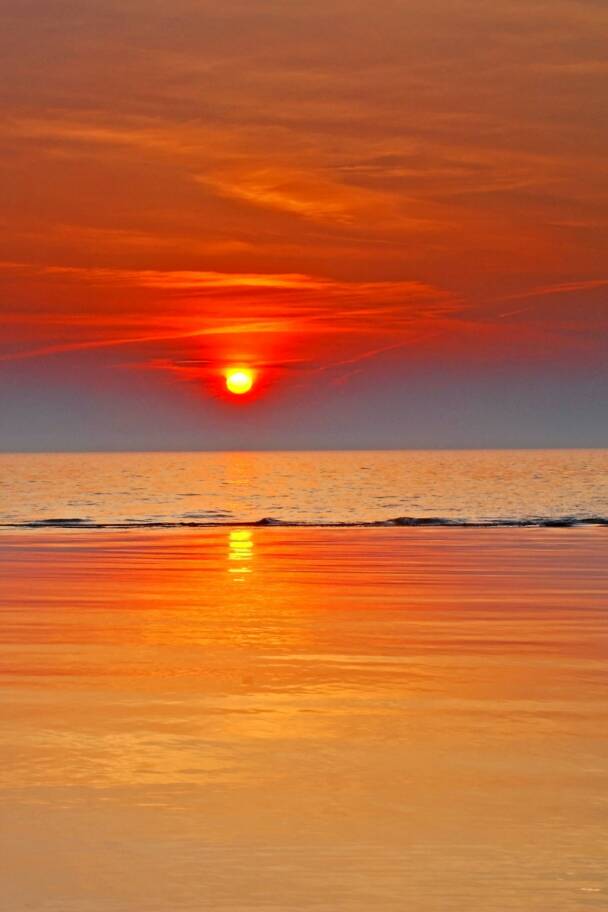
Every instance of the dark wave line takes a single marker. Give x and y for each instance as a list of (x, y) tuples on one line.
[(546, 522)]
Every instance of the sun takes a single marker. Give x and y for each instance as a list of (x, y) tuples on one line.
[(239, 381)]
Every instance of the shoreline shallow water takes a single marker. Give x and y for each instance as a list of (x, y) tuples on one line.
[(547, 522), (293, 719)]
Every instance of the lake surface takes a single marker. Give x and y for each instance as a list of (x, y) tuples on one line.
[(509, 486), (304, 720)]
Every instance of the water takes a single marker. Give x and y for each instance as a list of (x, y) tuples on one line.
[(277, 719), (304, 720), (135, 489)]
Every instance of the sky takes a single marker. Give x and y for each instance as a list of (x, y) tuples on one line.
[(394, 212)]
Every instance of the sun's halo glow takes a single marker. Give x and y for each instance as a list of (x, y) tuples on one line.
[(239, 381)]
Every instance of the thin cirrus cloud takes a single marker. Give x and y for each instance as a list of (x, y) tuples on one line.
[(562, 288), (174, 279), (195, 306)]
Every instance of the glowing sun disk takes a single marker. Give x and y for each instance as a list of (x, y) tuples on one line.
[(239, 381)]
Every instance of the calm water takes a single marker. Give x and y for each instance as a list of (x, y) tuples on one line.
[(475, 486), (303, 720)]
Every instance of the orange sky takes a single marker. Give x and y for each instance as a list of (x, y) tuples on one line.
[(335, 187)]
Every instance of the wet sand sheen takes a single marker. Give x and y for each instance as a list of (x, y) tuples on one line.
[(299, 719)]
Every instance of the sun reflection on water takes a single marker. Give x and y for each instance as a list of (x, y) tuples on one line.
[(240, 551)]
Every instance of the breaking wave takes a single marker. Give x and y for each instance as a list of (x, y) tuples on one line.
[(544, 522)]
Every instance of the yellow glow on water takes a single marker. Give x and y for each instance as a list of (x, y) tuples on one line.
[(240, 549)]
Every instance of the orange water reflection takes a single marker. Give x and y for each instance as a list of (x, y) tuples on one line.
[(332, 714)]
